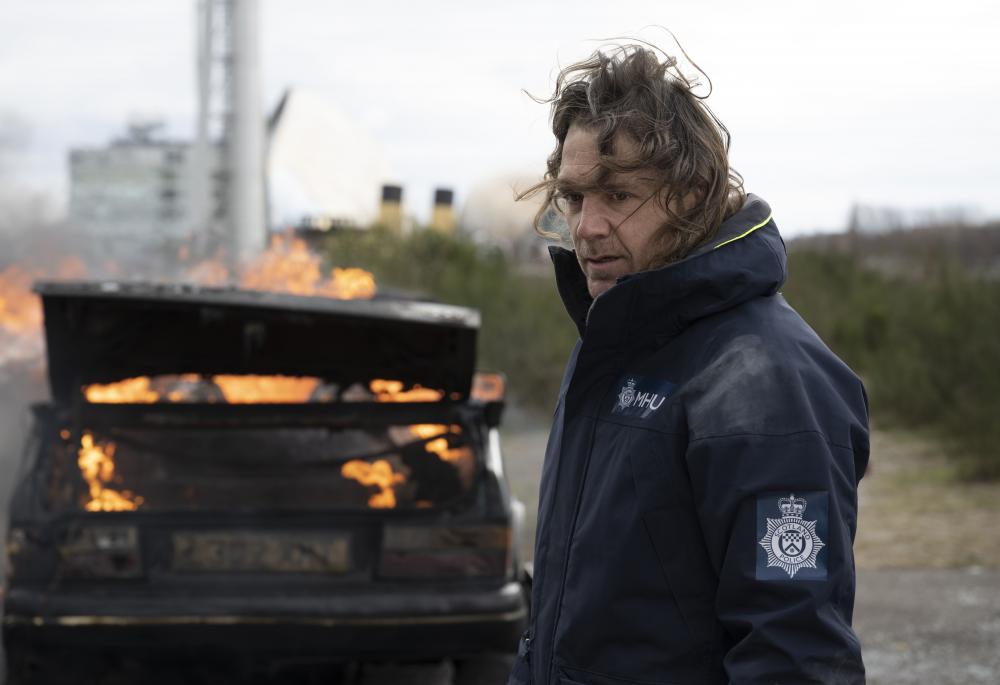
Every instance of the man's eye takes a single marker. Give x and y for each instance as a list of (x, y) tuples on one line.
[(569, 199), (619, 196)]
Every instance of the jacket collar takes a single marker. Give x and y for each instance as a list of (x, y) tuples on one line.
[(746, 259)]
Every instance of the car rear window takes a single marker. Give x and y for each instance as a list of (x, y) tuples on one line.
[(252, 469)]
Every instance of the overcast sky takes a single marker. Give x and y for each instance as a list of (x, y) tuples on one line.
[(887, 103)]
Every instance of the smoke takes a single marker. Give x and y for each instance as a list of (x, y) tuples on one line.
[(21, 366), (33, 246)]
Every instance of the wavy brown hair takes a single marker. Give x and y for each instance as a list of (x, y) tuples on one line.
[(639, 91)]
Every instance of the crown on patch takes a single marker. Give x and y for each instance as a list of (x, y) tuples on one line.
[(792, 506)]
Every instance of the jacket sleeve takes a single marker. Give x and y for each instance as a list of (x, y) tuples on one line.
[(775, 451), (778, 513)]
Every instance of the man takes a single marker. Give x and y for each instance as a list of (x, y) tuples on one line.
[(698, 499)]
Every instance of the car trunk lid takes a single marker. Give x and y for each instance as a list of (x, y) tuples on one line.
[(107, 332)]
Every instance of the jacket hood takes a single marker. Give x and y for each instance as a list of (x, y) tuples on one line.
[(746, 259)]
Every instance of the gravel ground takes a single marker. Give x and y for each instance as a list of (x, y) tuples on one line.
[(938, 626)]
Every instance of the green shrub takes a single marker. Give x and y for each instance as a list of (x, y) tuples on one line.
[(927, 344)]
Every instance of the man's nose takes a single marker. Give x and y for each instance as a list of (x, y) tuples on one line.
[(594, 222)]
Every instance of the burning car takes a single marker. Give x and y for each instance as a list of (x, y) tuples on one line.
[(261, 479)]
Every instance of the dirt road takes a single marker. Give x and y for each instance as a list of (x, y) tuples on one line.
[(938, 626)]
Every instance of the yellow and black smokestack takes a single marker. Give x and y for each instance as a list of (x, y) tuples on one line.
[(390, 213), (443, 216)]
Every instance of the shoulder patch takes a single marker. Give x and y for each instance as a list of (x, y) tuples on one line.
[(641, 396), (790, 546)]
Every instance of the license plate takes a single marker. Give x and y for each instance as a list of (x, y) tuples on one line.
[(260, 552)]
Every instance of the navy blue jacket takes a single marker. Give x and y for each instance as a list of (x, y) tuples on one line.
[(698, 498)]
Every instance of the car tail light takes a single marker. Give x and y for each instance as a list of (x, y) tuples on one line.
[(488, 387), (445, 552), (101, 552)]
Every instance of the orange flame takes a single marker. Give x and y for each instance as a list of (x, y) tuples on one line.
[(21, 311), (392, 391), (97, 466), (427, 430), (459, 457), (266, 389), (440, 446), (129, 391), (350, 283), (240, 389), (445, 453), (378, 473), (289, 266), (247, 389)]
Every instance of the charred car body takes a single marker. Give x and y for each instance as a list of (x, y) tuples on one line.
[(223, 471)]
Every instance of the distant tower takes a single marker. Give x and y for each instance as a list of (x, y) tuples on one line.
[(443, 214), (390, 214), (229, 199)]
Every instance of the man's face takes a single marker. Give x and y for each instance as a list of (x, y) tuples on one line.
[(617, 223)]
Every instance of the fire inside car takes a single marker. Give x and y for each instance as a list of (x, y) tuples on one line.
[(381, 466), (281, 477)]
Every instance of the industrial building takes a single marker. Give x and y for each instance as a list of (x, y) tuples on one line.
[(136, 193)]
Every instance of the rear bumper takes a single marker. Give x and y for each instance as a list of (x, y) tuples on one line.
[(394, 625)]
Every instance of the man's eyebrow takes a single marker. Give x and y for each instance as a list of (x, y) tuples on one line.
[(563, 185), (613, 183), (625, 182)]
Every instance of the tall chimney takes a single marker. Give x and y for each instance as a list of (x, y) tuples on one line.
[(443, 216), (245, 152), (390, 213), (203, 162)]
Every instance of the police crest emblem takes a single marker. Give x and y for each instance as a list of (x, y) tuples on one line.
[(641, 397), (791, 542), (627, 394)]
